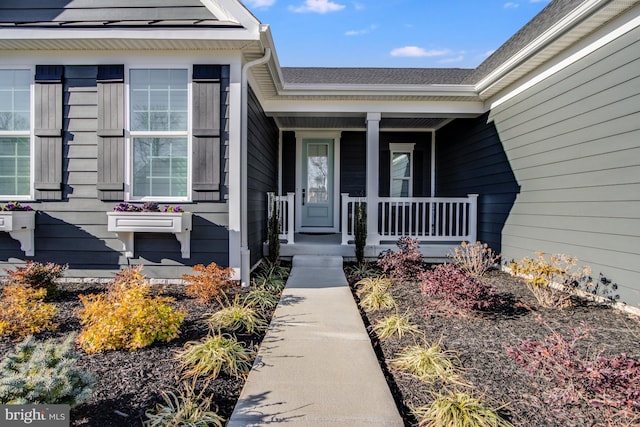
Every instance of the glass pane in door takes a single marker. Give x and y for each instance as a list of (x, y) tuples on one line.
[(317, 173)]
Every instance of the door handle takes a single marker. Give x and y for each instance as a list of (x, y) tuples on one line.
[(304, 195)]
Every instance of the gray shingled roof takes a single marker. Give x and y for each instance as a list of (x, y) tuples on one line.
[(544, 20), (107, 13), (379, 76)]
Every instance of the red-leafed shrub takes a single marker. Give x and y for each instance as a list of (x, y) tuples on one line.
[(457, 288), (404, 264), (611, 382)]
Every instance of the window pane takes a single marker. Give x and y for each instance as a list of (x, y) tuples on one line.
[(400, 188), (160, 167), (156, 96), (401, 166), (14, 166), (15, 93), (317, 173)]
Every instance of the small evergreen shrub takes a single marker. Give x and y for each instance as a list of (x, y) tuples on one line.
[(357, 272), (38, 275), (44, 373), (360, 230), (237, 317), (404, 264), (476, 259), (457, 288), (458, 409), (23, 312), (214, 355), (271, 277), (183, 409), (127, 316), (209, 284), (274, 233)]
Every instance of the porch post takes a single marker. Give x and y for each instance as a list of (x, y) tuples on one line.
[(373, 162)]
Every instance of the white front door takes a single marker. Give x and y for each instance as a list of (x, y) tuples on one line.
[(317, 200)]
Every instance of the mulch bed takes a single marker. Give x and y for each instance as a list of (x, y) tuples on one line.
[(480, 343), (130, 382)]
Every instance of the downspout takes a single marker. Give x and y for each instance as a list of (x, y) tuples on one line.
[(245, 255)]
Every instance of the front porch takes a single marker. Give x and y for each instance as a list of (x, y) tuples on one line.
[(438, 223)]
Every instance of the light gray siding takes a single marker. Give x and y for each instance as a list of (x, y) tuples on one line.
[(573, 142), (74, 230)]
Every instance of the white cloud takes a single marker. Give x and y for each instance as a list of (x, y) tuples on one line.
[(361, 32), (415, 51), (511, 5), (260, 3), (317, 6)]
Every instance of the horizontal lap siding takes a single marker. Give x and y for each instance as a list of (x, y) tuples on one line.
[(74, 231), (262, 172), (353, 163), (470, 159), (573, 143)]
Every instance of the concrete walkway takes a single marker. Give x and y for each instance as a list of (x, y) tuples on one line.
[(316, 366)]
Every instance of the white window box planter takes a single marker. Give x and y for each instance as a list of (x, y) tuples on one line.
[(20, 225), (125, 224)]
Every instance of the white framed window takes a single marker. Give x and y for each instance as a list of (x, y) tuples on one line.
[(15, 134), (401, 170), (159, 116)]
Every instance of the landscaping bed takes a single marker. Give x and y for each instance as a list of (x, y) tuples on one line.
[(479, 341), (128, 383)]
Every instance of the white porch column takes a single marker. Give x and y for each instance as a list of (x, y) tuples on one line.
[(373, 163)]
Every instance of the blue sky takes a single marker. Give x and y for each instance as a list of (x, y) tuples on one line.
[(391, 33)]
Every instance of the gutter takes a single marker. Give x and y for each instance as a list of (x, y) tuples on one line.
[(245, 254)]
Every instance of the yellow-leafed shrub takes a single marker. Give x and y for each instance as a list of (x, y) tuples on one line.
[(22, 311), (127, 316), (210, 283)]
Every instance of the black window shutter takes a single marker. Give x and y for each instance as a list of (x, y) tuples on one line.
[(110, 82), (207, 82), (48, 132)]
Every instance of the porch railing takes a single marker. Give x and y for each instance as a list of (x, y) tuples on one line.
[(422, 218), (286, 214)]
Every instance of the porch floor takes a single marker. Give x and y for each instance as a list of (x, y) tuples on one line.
[(329, 244)]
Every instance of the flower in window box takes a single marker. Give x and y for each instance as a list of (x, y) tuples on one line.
[(15, 206), (150, 207), (126, 207), (169, 208)]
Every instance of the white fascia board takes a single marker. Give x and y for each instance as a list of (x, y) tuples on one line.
[(284, 106), (128, 34), (377, 90), (574, 17)]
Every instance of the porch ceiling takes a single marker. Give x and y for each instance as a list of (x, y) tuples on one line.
[(358, 122)]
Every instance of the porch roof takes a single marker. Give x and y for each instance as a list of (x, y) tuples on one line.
[(377, 76)]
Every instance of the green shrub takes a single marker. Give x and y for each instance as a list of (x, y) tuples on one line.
[(262, 299), (44, 373), (215, 354), (372, 284), (183, 410), (427, 363), (360, 230), (458, 409), (358, 272), (237, 317), (127, 316), (394, 324), (270, 276), (23, 312), (210, 283), (377, 300), (274, 233), (38, 275)]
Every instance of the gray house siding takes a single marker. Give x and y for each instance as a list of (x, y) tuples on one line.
[(471, 160), (573, 143), (353, 163), (262, 173), (74, 230)]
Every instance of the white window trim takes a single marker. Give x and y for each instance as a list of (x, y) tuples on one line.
[(401, 148), (129, 136), (29, 133)]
